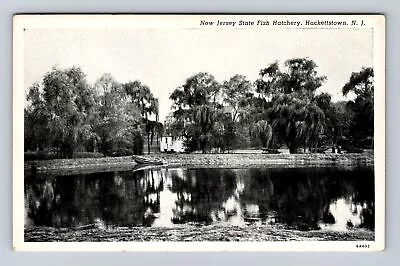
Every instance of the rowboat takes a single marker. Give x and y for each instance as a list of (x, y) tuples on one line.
[(143, 160)]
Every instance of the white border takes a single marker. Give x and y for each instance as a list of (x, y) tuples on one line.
[(21, 22)]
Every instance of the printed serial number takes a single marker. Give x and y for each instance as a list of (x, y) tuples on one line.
[(362, 246)]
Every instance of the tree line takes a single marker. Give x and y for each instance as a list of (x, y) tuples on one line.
[(64, 114), (280, 109)]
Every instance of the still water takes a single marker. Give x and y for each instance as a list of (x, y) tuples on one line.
[(300, 198)]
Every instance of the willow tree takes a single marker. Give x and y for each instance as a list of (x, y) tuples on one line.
[(197, 105), (59, 109), (262, 130), (295, 117), (205, 118), (143, 98)]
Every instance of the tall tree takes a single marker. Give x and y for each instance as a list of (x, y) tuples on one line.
[(236, 93), (118, 119), (293, 112), (148, 105), (268, 83), (106, 122), (205, 117), (197, 106), (62, 104), (362, 85)]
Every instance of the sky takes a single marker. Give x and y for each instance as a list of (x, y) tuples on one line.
[(164, 58)]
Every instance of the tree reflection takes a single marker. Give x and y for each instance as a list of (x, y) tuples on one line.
[(259, 190), (201, 193), (301, 198), (121, 198)]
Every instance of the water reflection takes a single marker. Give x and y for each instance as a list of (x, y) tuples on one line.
[(303, 198)]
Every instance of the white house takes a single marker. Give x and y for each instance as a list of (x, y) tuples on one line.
[(171, 144)]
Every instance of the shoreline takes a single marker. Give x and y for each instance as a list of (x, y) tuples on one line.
[(227, 160), (230, 160), (273, 233)]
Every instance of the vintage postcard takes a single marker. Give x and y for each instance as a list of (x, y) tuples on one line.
[(199, 132)]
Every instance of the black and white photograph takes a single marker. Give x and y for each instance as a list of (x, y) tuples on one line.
[(204, 132)]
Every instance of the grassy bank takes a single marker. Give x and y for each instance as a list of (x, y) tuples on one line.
[(193, 233), (82, 165)]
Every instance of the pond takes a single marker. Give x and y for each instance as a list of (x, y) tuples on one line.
[(336, 199)]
